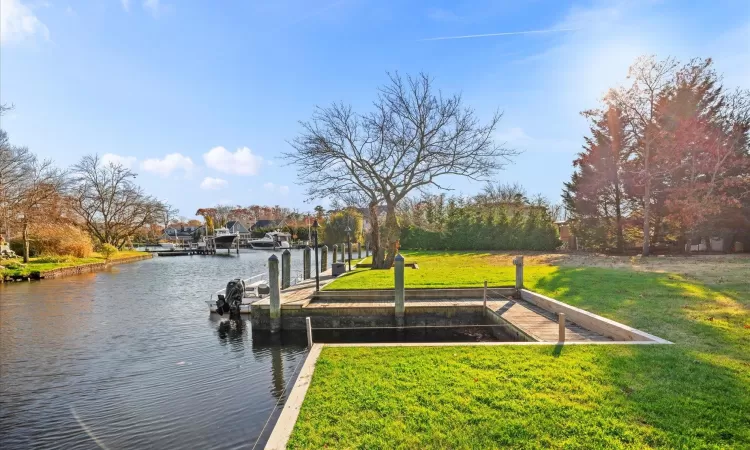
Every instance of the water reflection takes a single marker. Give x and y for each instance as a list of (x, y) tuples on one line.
[(139, 373)]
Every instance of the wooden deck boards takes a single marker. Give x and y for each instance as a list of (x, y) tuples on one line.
[(539, 323)]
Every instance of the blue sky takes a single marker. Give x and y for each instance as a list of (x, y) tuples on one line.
[(200, 97)]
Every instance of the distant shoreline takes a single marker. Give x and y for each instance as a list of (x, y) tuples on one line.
[(85, 267)]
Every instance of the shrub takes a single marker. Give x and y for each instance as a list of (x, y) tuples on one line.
[(108, 251), (58, 239)]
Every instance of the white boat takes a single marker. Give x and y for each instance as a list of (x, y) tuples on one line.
[(224, 238), (251, 293), (272, 241)]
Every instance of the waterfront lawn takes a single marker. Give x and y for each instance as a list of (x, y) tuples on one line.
[(16, 267), (693, 394), (441, 269)]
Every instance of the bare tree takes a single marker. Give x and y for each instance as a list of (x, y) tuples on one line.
[(652, 80), (40, 187), (111, 206), (413, 138), (13, 161)]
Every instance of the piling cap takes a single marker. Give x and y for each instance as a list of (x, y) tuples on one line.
[(273, 258), (399, 257), (285, 252)]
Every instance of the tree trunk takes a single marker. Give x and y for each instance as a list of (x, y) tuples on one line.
[(377, 255), (618, 218), (25, 242), (647, 202), (392, 234)]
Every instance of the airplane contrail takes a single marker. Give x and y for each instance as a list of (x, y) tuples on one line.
[(509, 33)]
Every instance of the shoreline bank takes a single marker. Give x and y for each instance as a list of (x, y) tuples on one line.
[(74, 270)]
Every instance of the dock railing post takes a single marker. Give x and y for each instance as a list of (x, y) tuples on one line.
[(518, 262), (398, 274), (335, 253), (286, 269), (484, 310), (561, 327), (309, 332), (306, 266), (323, 258), (275, 300)]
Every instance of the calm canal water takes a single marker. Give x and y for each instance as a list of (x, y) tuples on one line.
[(131, 358)]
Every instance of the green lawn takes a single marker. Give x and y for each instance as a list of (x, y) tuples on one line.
[(438, 269), (694, 394), (16, 267)]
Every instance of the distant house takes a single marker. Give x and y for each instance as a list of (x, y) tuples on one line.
[(183, 234), (262, 224), (235, 226)]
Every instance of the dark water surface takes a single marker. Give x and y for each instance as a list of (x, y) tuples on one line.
[(131, 358)]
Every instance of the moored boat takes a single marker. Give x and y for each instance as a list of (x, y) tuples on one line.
[(272, 241)]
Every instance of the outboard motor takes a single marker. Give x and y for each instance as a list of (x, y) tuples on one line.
[(232, 299)]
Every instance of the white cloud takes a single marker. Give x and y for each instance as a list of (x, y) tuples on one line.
[(125, 161), (125, 4), (211, 183), (279, 189), (18, 22), (241, 162), (170, 163)]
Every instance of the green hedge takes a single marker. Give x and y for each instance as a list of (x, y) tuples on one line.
[(472, 228)]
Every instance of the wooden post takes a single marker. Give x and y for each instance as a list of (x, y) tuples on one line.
[(238, 244), (286, 269), (518, 261), (323, 258), (359, 250), (275, 300), (484, 311), (306, 266), (335, 253), (561, 327), (398, 274), (309, 332), (343, 252)]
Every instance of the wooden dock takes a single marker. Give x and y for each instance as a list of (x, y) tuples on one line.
[(537, 323)]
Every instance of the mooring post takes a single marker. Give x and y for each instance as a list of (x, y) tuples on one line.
[(323, 258), (398, 274), (335, 253), (309, 332), (306, 266), (286, 269), (561, 327), (275, 300), (359, 250), (518, 261), (238, 244), (485, 297)]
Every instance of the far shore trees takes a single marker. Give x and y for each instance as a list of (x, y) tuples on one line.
[(414, 137), (110, 205)]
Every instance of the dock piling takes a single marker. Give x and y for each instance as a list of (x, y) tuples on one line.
[(359, 250), (561, 327), (398, 274), (518, 262), (335, 253), (343, 252), (309, 332), (323, 258), (306, 266), (286, 269), (275, 300)]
